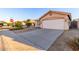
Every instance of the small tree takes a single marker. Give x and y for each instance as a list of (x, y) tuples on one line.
[(28, 23), (18, 24)]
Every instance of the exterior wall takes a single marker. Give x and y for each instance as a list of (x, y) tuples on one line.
[(66, 27), (54, 16)]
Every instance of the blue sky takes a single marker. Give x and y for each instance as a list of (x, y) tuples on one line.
[(32, 13)]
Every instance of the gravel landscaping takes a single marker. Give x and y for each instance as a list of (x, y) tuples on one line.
[(61, 44)]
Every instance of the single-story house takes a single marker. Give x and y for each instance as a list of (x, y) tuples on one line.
[(55, 20)]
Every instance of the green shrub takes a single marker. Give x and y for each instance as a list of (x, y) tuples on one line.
[(16, 28)]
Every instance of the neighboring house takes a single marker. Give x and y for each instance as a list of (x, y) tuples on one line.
[(36, 23), (55, 20), (77, 21), (74, 24)]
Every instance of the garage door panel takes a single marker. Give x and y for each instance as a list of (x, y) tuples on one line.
[(53, 24)]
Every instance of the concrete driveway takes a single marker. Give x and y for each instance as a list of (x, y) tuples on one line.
[(41, 38)]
